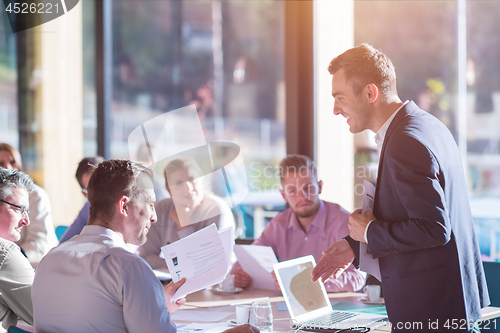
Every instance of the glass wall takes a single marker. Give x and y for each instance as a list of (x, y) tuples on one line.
[(8, 84), (483, 121), (423, 48), (484, 97), (89, 116), (225, 58)]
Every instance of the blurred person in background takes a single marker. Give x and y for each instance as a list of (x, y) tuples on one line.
[(307, 227), (143, 155), (189, 202), (39, 237), (82, 175)]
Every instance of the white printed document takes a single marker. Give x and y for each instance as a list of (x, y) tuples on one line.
[(191, 315), (257, 261), (202, 327), (366, 262), (202, 258)]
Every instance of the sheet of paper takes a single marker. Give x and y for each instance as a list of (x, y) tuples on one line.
[(257, 261), (193, 315), (200, 258), (227, 238), (366, 262), (202, 327)]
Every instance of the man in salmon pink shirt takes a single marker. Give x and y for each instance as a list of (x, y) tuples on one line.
[(308, 227)]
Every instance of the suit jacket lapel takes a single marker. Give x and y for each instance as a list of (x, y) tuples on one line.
[(405, 111)]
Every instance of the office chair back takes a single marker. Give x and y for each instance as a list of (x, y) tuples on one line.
[(492, 273)]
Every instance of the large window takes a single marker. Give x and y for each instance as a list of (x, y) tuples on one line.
[(424, 52), (483, 121), (423, 49), (89, 110), (8, 84), (225, 57), (484, 97)]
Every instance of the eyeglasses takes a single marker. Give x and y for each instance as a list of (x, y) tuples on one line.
[(22, 209)]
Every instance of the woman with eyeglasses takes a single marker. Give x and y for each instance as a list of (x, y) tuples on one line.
[(39, 237)]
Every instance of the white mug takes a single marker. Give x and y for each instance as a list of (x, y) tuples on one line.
[(372, 293), (243, 313), (228, 283)]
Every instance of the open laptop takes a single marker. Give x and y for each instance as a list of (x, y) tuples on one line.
[(309, 305)]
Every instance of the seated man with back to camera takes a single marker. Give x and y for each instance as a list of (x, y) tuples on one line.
[(189, 201), (91, 283), (307, 226), (16, 273), (83, 172)]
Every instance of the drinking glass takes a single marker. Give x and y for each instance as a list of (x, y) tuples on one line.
[(261, 316)]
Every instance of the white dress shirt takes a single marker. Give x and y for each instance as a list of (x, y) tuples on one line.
[(380, 135), (379, 140), (92, 284)]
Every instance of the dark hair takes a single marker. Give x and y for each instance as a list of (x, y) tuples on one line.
[(295, 164), (363, 65), (12, 179), (110, 181), (87, 165)]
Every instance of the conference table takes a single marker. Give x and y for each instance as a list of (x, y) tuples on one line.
[(211, 300)]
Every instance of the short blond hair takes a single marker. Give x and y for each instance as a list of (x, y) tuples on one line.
[(180, 163), (296, 163), (15, 154)]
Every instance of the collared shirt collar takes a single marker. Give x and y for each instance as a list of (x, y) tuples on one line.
[(318, 221), (99, 230), (380, 136)]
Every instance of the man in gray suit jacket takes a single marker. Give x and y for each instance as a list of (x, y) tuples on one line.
[(421, 229)]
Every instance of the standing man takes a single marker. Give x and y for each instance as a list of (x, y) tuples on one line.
[(307, 227), (421, 229), (91, 283), (16, 273)]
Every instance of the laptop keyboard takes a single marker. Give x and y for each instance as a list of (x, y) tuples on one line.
[(330, 319)]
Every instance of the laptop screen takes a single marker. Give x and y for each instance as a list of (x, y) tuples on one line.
[(302, 296)]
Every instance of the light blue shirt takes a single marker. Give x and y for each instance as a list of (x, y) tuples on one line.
[(91, 283)]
